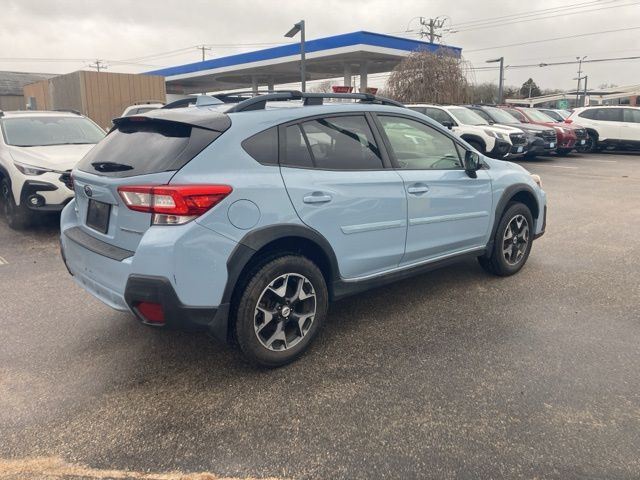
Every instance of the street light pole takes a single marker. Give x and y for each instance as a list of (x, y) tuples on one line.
[(299, 27), (501, 82)]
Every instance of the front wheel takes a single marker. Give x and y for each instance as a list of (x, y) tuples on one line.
[(280, 310), (512, 242), (18, 216), (592, 143)]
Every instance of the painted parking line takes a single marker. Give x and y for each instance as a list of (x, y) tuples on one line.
[(3, 261), (601, 161)]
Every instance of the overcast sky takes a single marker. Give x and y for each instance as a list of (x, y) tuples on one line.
[(126, 30)]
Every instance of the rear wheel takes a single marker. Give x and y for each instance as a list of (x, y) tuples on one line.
[(18, 216), (280, 310), (512, 242)]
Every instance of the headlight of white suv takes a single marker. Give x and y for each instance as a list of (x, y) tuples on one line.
[(30, 169), (493, 134)]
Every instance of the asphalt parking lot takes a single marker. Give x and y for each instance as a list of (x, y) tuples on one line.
[(453, 374)]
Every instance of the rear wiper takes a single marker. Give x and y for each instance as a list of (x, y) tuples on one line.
[(111, 167)]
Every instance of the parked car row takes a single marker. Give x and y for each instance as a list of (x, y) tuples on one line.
[(39, 149), (508, 132)]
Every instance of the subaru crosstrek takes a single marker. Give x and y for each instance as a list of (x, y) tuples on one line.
[(246, 220), (38, 149)]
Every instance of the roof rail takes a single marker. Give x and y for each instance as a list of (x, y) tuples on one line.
[(259, 102)]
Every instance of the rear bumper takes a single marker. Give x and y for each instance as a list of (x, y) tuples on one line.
[(182, 268), (145, 288)]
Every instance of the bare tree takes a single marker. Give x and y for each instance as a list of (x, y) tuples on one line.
[(322, 87), (423, 76)]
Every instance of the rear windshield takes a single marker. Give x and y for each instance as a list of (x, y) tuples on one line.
[(143, 147), (46, 131)]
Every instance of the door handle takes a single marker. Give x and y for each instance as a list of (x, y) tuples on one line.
[(416, 189), (317, 197)]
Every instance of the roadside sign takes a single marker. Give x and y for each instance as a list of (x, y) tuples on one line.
[(563, 104)]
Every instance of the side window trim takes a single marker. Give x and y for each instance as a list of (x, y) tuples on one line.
[(387, 144)]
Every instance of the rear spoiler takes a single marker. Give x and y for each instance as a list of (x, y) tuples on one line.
[(218, 122)]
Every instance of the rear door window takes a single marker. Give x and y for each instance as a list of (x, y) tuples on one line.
[(632, 115), (296, 152), (141, 147), (342, 143), (609, 114)]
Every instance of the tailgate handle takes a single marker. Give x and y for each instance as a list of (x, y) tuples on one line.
[(317, 197)]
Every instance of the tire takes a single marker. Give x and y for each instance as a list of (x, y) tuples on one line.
[(592, 143), (18, 217), (273, 324), (497, 262), (563, 152)]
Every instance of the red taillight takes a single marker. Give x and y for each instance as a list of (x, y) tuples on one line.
[(568, 120), (151, 312), (173, 204)]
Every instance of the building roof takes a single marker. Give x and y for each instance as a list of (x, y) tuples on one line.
[(325, 58), (11, 83)]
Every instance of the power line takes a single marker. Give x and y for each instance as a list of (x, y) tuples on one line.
[(551, 39), (563, 14), (529, 13)]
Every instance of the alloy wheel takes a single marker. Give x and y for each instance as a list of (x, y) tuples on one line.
[(285, 312), (515, 240)]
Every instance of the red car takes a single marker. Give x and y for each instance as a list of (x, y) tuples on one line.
[(569, 136)]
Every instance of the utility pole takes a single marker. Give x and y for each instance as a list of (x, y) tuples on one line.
[(579, 77), (99, 65), (584, 98), (432, 25), (204, 48)]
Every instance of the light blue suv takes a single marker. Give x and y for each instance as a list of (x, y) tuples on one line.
[(246, 219)]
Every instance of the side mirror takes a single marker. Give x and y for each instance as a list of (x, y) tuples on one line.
[(447, 124), (471, 163)]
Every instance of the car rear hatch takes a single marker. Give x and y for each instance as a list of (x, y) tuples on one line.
[(139, 151)]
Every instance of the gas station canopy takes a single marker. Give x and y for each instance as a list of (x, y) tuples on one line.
[(356, 53)]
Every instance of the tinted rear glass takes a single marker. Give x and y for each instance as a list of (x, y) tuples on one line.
[(143, 147), (263, 146)]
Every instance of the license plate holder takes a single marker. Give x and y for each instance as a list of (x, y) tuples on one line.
[(582, 142), (98, 215), (520, 149), (552, 144)]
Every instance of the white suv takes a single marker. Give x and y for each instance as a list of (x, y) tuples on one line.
[(492, 140), (38, 149), (609, 126)]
